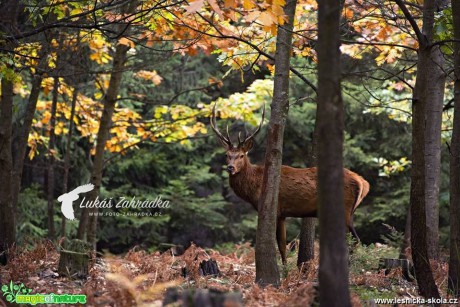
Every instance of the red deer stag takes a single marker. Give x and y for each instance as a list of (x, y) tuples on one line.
[(298, 186)]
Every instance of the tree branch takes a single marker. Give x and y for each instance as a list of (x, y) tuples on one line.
[(253, 46), (420, 37)]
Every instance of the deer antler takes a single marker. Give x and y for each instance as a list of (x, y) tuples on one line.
[(224, 139), (255, 132)]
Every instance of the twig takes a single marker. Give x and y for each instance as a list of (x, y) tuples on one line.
[(420, 37)]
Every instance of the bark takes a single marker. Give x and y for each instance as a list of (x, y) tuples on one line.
[(9, 11), (306, 240), (21, 139), (454, 261), (424, 275), (88, 223), (403, 253), (307, 229), (266, 266), (434, 98), (425, 68), (50, 166), (65, 179), (333, 269), (7, 212)]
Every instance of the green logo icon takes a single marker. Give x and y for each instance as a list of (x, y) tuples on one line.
[(10, 291), (20, 294)]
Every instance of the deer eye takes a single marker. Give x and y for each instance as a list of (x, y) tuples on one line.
[(241, 156)]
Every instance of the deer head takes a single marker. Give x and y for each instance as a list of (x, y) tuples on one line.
[(236, 154)]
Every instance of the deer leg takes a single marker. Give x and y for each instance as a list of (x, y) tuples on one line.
[(281, 238), (352, 230)]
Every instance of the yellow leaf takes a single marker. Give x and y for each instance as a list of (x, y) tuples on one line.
[(127, 42), (31, 154), (95, 57), (279, 2), (150, 75), (348, 13), (267, 19), (252, 16), (248, 5), (278, 10), (96, 43)]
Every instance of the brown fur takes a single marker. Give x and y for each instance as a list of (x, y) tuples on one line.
[(298, 186), (297, 190)]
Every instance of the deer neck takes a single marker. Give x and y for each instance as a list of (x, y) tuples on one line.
[(246, 183)]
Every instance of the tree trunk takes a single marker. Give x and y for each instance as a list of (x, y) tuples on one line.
[(9, 10), (403, 253), (88, 221), (424, 275), (454, 261), (50, 166), (333, 269), (266, 266), (425, 68), (7, 212), (306, 240), (65, 179), (307, 229), (23, 136), (434, 104)]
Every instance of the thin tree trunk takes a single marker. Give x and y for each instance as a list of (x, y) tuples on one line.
[(65, 179), (454, 261), (50, 167), (333, 269), (434, 104), (23, 136), (266, 266), (403, 253), (88, 221), (307, 229)]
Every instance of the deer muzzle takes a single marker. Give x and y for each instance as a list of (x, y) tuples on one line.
[(231, 169)]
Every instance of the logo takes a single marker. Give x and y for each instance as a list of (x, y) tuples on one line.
[(67, 199), (154, 206), (20, 294)]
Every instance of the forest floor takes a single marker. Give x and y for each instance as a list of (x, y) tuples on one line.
[(140, 278)]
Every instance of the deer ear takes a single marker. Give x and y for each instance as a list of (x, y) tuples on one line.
[(247, 146)]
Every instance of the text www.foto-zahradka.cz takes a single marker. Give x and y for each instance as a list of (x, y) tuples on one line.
[(123, 202)]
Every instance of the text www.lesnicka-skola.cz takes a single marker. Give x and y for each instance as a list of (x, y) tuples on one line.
[(416, 300)]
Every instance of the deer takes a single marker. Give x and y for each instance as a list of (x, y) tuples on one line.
[(298, 196)]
